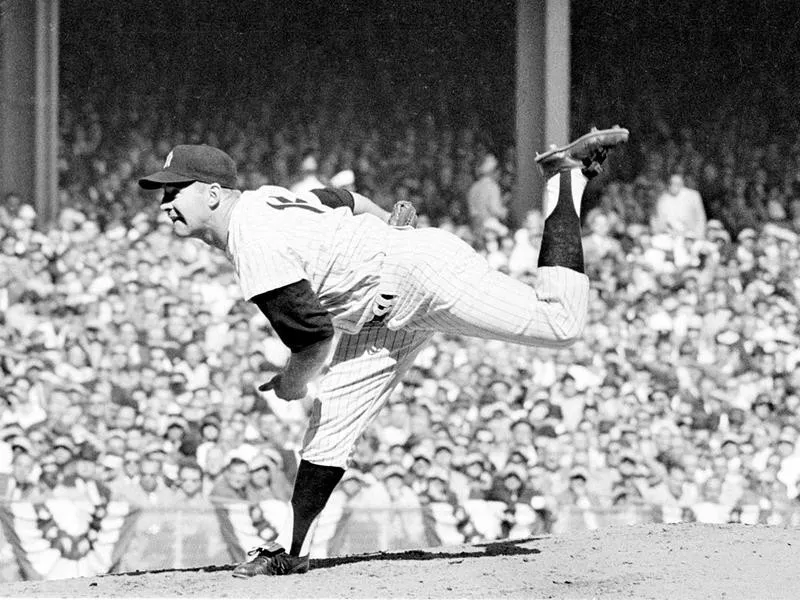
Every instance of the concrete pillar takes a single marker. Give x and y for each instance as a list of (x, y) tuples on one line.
[(29, 103), (543, 78)]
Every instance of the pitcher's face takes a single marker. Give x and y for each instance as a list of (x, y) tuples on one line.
[(187, 207)]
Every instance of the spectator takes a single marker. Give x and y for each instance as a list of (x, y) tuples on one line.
[(480, 479), (789, 471), (629, 487), (345, 179), (485, 201), (23, 409), (234, 484), (400, 494), (149, 488), (570, 401), (738, 213), (128, 476), (22, 485), (83, 483), (189, 492), (679, 210), (110, 470), (308, 179), (50, 475), (599, 244), (509, 486), (456, 481), (713, 507), (267, 479), (577, 493), (63, 452)]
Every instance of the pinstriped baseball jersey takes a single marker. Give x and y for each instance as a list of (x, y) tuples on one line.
[(434, 282), (424, 279), (277, 238), (387, 290), (471, 300)]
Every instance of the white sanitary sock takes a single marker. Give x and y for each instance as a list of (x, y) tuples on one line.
[(553, 186)]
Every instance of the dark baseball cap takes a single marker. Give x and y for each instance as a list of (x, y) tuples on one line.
[(190, 163)]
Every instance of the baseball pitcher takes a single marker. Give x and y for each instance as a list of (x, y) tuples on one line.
[(348, 292)]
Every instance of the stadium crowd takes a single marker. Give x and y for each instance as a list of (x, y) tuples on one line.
[(129, 366)]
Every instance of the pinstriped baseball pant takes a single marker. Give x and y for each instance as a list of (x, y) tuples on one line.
[(365, 369), (440, 284)]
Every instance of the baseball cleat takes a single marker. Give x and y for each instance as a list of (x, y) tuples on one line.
[(271, 559), (586, 153)]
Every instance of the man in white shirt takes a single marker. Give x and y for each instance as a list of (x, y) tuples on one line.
[(679, 210)]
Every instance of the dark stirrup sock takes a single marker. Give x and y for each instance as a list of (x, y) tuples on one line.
[(313, 486), (561, 238)]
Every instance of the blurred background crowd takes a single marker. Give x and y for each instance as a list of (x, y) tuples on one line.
[(129, 366)]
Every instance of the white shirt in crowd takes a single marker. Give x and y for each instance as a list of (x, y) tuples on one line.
[(680, 211)]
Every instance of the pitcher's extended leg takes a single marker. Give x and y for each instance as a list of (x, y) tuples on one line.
[(451, 288)]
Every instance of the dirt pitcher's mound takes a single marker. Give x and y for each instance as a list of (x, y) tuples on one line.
[(653, 561)]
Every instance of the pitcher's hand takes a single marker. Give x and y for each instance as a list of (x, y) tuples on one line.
[(284, 390)]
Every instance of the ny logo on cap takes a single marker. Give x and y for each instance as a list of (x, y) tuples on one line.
[(169, 160)]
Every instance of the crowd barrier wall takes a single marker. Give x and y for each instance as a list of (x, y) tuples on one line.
[(63, 538)]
